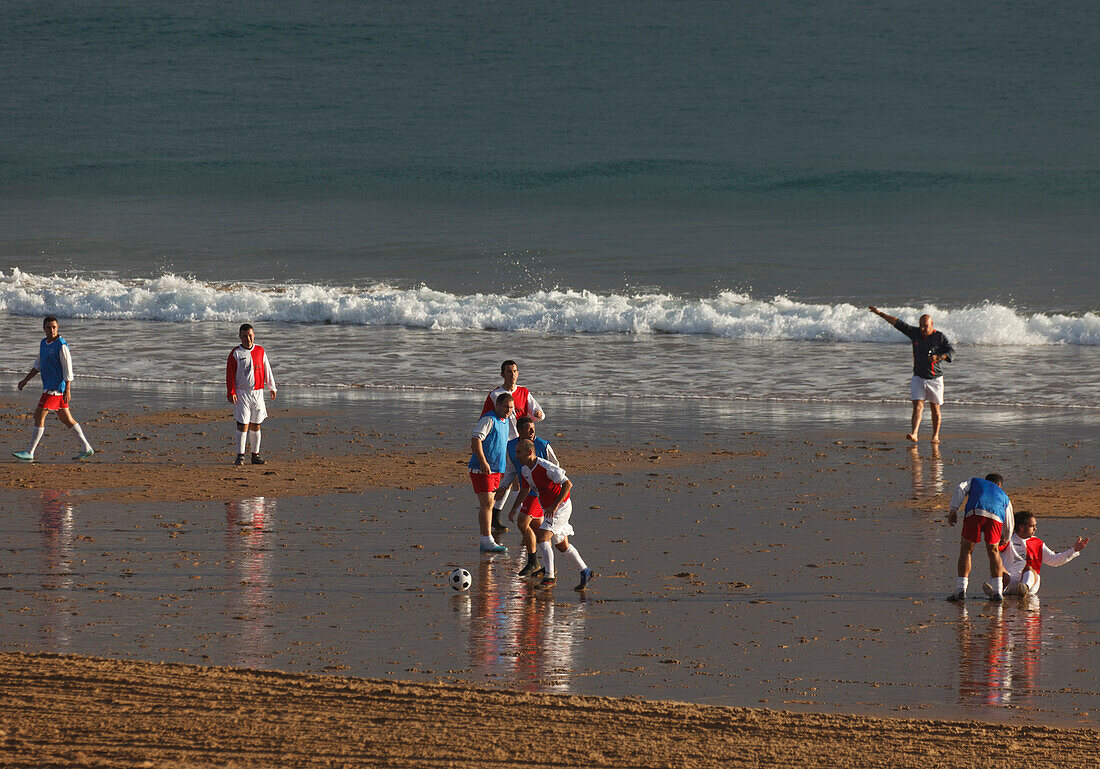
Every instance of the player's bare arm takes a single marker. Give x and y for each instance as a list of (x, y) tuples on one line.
[(479, 452), (30, 375), (888, 318)]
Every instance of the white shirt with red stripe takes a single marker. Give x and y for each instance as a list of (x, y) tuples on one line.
[(545, 477), (524, 405), (1033, 553), (248, 370)]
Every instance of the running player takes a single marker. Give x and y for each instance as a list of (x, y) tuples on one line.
[(525, 406), (988, 513), (247, 375), (530, 509), (489, 450), (553, 487), (1025, 554), (56, 365)]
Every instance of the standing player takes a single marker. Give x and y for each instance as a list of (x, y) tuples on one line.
[(531, 510), (56, 365), (525, 406), (1025, 554), (930, 348), (489, 450), (988, 513), (247, 375), (553, 487)]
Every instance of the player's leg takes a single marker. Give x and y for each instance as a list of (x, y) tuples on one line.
[(1029, 583), (37, 432), (573, 555), (484, 487), (254, 442), (242, 442), (966, 547), (528, 535), (546, 553), (66, 418), (914, 421), (992, 535), (501, 497)]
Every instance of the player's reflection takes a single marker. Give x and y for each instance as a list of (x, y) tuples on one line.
[(999, 652), (248, 529), (927, 481), (56, 526), (518, 633)]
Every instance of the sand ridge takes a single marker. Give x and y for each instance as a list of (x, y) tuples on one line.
[(80, 711)]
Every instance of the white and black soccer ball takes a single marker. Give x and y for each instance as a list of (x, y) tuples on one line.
[(460, 580)]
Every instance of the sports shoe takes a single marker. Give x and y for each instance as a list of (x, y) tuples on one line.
[(239, 460), (256, 460), (497, 526), (957, 596), (990, 593), (496, 547), (25, 455), (84, 454), (529, 567), (586, 577), (539, 572), (548, 582), (1025, 589)]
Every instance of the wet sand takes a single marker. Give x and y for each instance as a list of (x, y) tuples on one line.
[(747, 558), (75, 711)]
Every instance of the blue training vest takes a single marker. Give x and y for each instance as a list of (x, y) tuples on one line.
[(988, 496), (495, 447), (49, 362), (540, 450)]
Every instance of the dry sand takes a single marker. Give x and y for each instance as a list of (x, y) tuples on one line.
[(75, 711)]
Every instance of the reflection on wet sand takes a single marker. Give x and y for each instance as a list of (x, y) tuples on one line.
[(56, 525), (519, 633), (927, 482), (999, 652), (249, 525)]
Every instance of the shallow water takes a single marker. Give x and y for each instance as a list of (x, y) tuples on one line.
[(809, 577)]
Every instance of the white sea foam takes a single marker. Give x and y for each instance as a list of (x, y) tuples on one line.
[(731, 315)]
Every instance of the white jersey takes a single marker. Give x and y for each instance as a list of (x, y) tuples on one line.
[(1015, 556)]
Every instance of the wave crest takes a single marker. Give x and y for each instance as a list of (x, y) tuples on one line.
[(728, 314)]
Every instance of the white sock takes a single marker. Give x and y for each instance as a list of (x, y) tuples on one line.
[(960, 584), (501, 500), (546, 552), (575, 557), (36, 437), (254, 439), (242, 440), (488, 541), (80, 435)]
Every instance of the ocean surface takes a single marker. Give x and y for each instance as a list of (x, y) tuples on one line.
[(633, 199)]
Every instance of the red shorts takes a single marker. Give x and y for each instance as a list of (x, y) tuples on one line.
[(974, 526), (532, 507), (485, 483), (52, 402)]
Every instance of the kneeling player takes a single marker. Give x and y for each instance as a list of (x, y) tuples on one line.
[(1025, 554), (553, 488), (530, 509)]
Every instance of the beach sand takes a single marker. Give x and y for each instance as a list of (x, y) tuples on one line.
[(61, 711), (749, 565)]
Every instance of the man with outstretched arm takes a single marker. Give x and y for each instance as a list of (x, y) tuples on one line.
[(56, 366), (1024, 556), (930, 348)]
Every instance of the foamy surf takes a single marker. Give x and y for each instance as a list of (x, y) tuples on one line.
[(172, 298)]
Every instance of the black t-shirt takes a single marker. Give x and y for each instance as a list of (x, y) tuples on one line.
[(934, 344)]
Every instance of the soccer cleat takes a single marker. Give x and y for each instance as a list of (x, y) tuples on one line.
[(586, 577), (496, 547), (497, 526), (84, 454), (548, 582), (990, 593), (24, 455), (539, 572), (1025, 589), (256, 460), (957, 596), (529, 568), (239, 460)]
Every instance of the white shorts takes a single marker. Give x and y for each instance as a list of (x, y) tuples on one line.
[(930, 390), (558, 523), (250, 408)]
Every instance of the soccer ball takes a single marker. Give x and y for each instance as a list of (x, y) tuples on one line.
[(460, 579)]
